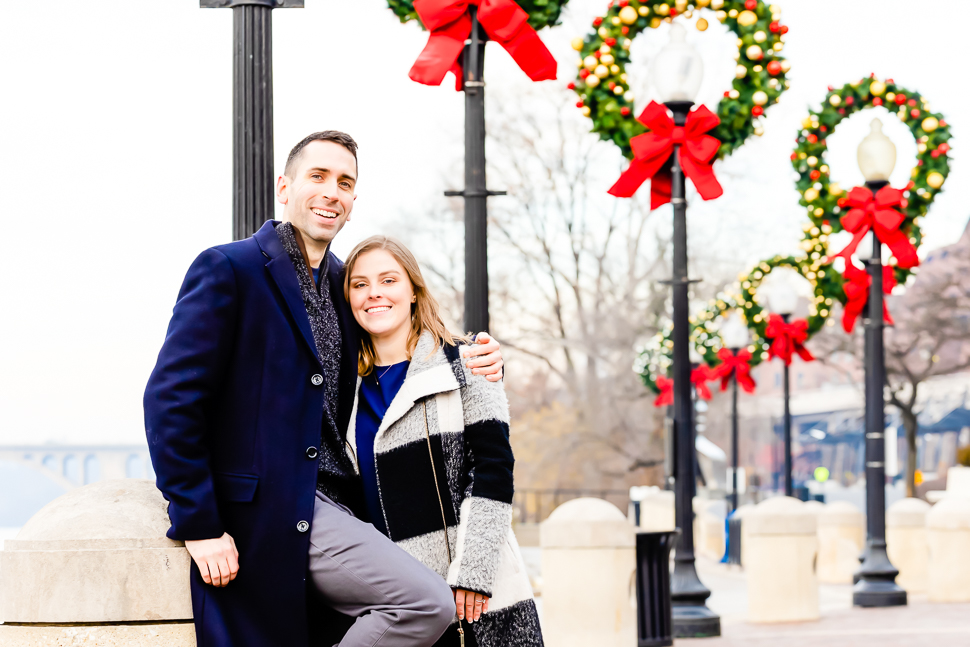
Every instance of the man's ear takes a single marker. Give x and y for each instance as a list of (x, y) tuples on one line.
[(282, 184)]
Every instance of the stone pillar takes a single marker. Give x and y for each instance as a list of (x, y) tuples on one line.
[(657, 511), (841, 538), (709, 528), (907, 543), (588, 566), (948, 530), (94, 567), (780, 547)]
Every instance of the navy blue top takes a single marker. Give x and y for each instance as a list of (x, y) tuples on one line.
[(377, 390)]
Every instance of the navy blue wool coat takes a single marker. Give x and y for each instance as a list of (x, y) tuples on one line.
[(231, 410)]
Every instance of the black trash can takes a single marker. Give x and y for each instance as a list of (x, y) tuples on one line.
[(655, 625), (734, 539)]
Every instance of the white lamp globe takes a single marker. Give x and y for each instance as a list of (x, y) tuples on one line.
[(678, 68), (734, 333), (876, 155), (782, 299)]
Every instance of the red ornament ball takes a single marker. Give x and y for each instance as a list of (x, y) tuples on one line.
[(625, 111), (624, 30), (673, 12), (757, 111), (774, 27), (583, 74), (794, 156), (911, 103), (914, 113), (597, 21), (750, 4), (877, 101), (935, 154), (784, 29), (815, 175), (849, 101), (610, 41), (774, 68), (943, 148), (624, 3), (571, 85), (812, 139), (612, 85), (580, 104), (900, 99), (942, 122)]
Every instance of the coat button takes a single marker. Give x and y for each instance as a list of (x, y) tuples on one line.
[(303, 526), (317, 379), (311, 452)]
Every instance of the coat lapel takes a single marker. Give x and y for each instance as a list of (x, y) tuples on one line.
[(351, 342), (439, 378), (281, 269)]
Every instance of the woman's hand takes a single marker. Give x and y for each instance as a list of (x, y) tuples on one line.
[(488, 357), (470, 605)]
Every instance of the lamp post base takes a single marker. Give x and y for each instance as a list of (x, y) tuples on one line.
[(877, 586), (692, 618)]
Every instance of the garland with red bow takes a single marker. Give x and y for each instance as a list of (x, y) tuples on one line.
[(877, 213), (511, 24), (857, 285), (653, 150), (699, 377), (787, 339), (738, 366)]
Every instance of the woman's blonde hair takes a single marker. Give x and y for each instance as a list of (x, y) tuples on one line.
[(425, 311)]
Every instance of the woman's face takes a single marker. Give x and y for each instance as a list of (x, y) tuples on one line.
[(381, 294)]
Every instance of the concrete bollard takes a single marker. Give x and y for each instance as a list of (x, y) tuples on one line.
[(841, 537), (907, 543), (709, 528), (588, 567), (780, 548), (95, 562), (657, 511), (948, 531)]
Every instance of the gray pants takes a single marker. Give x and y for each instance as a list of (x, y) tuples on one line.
[(397, 600)]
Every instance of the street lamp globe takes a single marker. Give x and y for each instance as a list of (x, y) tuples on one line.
[(735, 333), (782, 298), (876, 155), (678, 69)]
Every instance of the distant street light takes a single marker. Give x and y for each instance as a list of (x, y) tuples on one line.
[(877, 578), (736, 336), (252, 109), (677, 73), (782, 300)]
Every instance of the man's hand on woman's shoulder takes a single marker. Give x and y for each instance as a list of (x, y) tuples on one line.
[(485, 357)]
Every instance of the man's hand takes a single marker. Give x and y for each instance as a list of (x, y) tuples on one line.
[(470, 605), (217, 559), (488, 357)]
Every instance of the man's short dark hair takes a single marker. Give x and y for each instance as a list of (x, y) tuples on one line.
[(334, 136)]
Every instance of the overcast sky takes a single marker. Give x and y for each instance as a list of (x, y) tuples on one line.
[(115, 159)]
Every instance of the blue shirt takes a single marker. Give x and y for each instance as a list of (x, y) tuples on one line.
[(377, 390)]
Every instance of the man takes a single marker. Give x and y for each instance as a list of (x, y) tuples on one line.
[(246, 413)]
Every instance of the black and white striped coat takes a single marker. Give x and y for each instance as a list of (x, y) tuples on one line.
[(467, 419)]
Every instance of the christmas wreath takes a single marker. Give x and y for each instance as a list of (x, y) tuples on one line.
[(604, 89), (825, 202), (542, 13)]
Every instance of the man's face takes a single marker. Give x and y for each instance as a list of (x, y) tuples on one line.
[(320, 194)]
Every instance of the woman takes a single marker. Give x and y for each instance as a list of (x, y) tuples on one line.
[(432, 443)]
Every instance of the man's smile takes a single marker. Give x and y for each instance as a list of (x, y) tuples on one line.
[(325, 213)]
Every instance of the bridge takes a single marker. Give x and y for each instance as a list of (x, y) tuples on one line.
[(71, 466)]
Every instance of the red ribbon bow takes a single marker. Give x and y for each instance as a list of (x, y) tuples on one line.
[(666, 387), (699, 377), (450, 24), (877, 213), (739, 365), (653, 149), (788, 339), (856, 288)]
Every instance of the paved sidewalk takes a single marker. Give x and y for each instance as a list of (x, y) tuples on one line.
[(920, 624)]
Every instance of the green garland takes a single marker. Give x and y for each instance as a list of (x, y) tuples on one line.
[(824, 201), (542, 13), (604, 89)]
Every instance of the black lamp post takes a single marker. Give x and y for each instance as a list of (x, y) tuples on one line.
[(678, 70), (252, 108), (782, 300), (476, 191), (735, 336), (877, 578)]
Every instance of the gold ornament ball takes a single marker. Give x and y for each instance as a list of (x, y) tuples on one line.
[(758, 69), (577, 44), (734, 94), (812, 161), (605, 49), (835, 101), (930, 124), (607, 59), (628, 15), (585, 111), (602, 71), (643, 10), (616, 21), (935, 180), (834, 189), (807, 123), (717, 4), (702, 3), (876, 88), (701, 24), (740, 71), (760, 37), (759, 98), (590, 63), (754, 53), (614, 69), (663, 9), (759, 131), (629, 97), (627, 43), (603, 33), (655, 22), (733, 13), (618, 90), (592, 80), (747, 18), (810, 194), (890, 96), (681, 5), (921, 148), (785, 66), (778, 46)]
